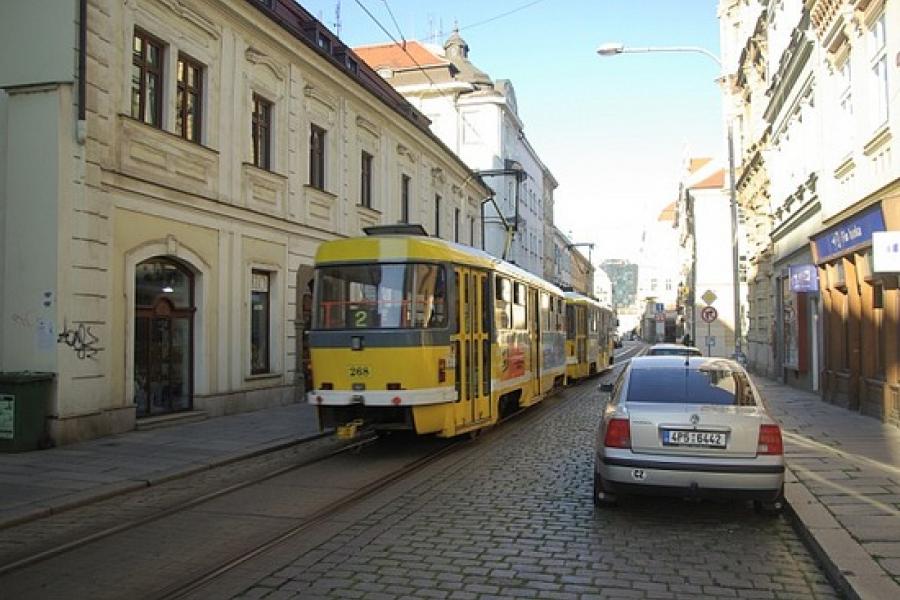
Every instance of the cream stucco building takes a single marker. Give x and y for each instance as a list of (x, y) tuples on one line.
[(160, 209), (812, 89), (703, 223)]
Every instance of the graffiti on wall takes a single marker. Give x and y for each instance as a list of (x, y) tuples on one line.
[(81, 339)]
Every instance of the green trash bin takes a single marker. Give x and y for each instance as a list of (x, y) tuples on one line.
[(23, 410)]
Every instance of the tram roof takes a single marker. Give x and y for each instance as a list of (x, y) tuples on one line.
[(578, 298), (393, 248)]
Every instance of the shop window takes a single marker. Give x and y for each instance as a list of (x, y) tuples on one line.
[(260, 312), (845, 330), (880, 329)]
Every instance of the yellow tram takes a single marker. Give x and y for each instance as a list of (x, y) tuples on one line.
[(418, 333), (589, 340)]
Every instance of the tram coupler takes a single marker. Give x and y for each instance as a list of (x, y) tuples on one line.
[(349, 431)]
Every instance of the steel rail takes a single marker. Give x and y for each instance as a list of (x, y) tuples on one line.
[(185, 589), (133, 523)]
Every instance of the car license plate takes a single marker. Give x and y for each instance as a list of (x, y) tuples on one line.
[(703, 439)]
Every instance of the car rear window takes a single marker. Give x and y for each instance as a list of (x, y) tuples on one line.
[(722, 387)]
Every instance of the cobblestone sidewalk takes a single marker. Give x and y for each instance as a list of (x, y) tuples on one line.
[(844, 486)]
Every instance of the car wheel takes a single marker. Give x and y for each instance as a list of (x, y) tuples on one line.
[(601, 498)]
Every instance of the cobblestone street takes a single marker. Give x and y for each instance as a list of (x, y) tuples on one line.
[(515, 519)]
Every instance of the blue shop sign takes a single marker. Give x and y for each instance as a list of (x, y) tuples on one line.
[(849, 235), (804, 278)]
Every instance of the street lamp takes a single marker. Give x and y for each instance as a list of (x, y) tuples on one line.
[(614, 48)]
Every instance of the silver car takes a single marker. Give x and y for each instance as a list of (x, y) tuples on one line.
[(687, 426)]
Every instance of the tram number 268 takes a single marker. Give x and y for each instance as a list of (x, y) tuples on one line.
[(358, 371)]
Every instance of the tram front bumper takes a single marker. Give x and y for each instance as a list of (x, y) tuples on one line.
[(420, 397)]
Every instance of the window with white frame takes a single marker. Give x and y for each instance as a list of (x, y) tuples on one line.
[(879, 68), (845, 101)]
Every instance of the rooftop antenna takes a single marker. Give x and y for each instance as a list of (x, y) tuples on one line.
[(337, 18)]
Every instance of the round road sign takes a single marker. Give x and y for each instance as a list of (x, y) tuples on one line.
[(709, 314)]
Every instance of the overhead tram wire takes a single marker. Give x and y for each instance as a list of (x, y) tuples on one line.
[(500, 16), (396, 24), (393, 39)]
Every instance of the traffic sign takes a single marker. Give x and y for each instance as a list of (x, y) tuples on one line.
[(709, 296), (709, 314)]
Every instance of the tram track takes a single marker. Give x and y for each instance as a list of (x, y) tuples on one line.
[(43, 565), (186, 589), (69, 546)]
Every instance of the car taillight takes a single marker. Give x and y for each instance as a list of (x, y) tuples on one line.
[(618, 434), (769, 440)]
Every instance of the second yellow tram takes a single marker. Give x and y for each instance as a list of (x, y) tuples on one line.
[(589, 339)]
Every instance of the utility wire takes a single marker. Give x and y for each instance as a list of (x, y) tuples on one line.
[(500, 16), (397, 25), (393, 39)]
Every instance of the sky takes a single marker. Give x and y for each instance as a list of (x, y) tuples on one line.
[(614, 131)]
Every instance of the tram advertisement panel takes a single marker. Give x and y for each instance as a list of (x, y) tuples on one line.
[(515, 349)]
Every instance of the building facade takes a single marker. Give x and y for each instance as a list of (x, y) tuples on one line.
[(704, 217), (162, 204), (477, 117), (659, 275), (624, 277), (818, 177)]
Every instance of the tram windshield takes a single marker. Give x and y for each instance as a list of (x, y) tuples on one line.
[(381, 296)]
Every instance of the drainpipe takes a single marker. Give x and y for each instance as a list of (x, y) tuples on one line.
[(81, 125)]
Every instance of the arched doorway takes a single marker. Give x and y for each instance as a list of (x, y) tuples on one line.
[(163, 337)]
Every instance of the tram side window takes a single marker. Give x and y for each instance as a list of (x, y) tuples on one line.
[(519, 314), (503, 303), (570, 322), (560, 314), (546, 305)]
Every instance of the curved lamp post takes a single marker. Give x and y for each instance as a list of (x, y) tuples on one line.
[(614, 48)]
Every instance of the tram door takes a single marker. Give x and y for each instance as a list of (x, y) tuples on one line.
[(473, 348), (534, 313)]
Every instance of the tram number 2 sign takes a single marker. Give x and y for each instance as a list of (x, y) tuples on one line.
[(709, 314)]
